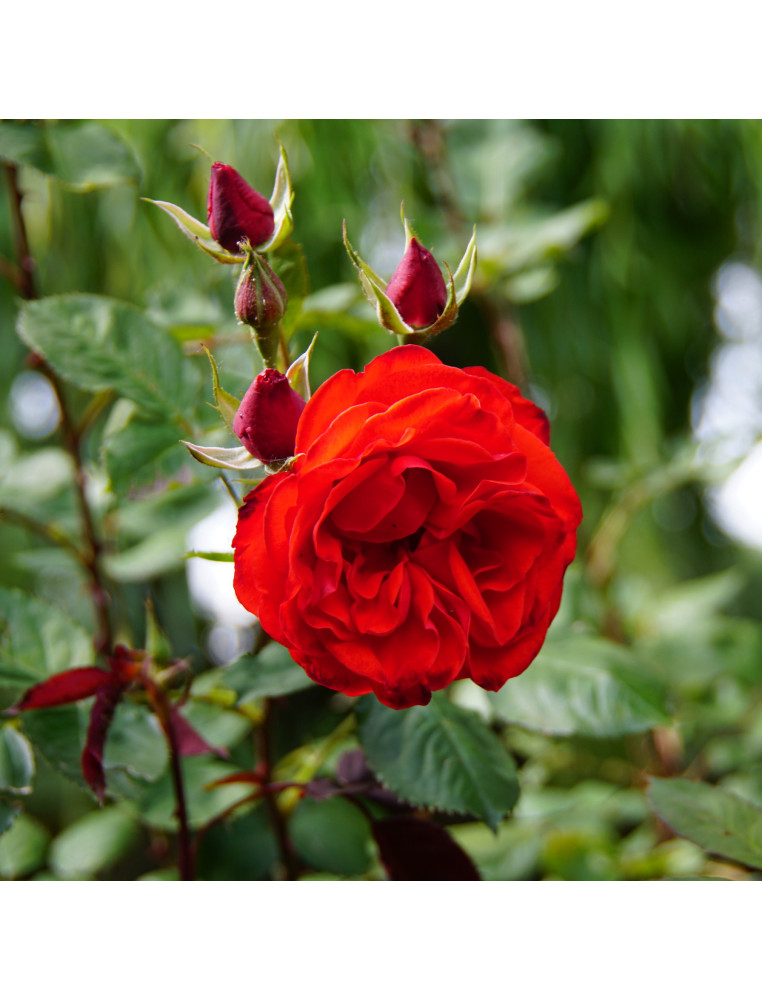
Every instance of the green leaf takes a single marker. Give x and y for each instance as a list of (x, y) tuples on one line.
[(23, 847), (59, 735), (37, 639), (9, 812), (270, 674), (332, 835), (440, 756), (718, 821), (134, 445), (16, 762), (99, 343), (135, 743), (80, 156), (94, 843), (583, 686)]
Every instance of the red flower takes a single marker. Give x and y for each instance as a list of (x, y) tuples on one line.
[(235, 211), (417, 287), (421, 536), (267, 417)]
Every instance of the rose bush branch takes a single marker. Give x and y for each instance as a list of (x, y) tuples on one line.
[(91, 551)]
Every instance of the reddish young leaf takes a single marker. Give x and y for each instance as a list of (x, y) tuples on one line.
[(101, 716), (416, 850), (190, 742), (64, 688)]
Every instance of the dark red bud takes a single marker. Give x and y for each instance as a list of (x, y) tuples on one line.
[(260, 299), (417, 287), (267, 417), (235, 211)]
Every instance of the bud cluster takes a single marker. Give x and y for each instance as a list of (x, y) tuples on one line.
[(242, 228)]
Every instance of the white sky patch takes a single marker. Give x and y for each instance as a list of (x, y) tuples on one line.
[(727, 412), (211, 583)]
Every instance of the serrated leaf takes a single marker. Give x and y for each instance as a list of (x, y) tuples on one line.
[(583, 686), (99, 343), (37, 639), (440, 756), (80, 156), (718, 821), (224, 458), (16, 762)]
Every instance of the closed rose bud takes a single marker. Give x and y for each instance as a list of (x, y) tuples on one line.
[(260, 299), (417, 287), (235, 211), (267, 417)]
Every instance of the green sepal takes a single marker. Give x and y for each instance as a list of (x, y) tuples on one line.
[(226, 403), (375, 292), (298, 372), (280, 200), (374, 289), (224, 458), (197, 232), (464, 273)]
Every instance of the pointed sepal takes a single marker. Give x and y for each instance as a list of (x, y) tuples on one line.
[(298, 374), (196, 231), (281, 201), (226, 403), (374, 289), (224, 458), (464, 274)]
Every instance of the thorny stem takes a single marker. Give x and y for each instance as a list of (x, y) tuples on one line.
[(162, 708), (89, 556), (277, 820)]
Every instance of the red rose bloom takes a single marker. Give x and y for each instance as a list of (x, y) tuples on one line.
[(420, 537)]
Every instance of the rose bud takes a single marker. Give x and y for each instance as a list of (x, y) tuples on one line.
[(260, 299), (235, 211), (267, 417), (417, 287)]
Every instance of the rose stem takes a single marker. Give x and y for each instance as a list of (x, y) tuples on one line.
[(277, 821), (89, 557), (162, 708)]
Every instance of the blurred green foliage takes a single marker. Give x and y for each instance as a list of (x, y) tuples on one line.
[(599, 243)]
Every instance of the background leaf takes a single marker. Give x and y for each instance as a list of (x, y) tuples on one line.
[(583, 686), (81, 156), (98, 343), (719, 821)]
